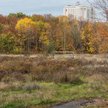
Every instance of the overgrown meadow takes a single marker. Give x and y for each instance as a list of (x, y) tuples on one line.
[(42, 82)]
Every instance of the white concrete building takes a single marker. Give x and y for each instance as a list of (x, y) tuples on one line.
[(80, 12)]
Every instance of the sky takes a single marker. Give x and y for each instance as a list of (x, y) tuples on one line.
[(54, 7)]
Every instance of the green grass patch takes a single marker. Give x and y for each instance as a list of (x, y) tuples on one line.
[(48, 94)]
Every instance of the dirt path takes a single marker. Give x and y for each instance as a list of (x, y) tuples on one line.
[(69, 105), (74, 104), (99, 57), (81, 103)]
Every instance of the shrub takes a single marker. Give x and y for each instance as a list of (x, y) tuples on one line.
[(7, 43)]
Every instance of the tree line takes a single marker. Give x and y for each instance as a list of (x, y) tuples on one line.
[(20, 34)]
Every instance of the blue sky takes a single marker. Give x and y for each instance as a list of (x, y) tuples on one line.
[(55, 7)]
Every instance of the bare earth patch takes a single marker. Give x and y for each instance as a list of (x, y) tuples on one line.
[(95, 103)]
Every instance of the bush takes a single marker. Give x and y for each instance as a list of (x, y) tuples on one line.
[(45, 69), (7, 43)]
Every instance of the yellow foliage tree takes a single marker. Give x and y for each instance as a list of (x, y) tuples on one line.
[(43, 30), (87, 36), (25, 25), (34, 31), (26, 28)]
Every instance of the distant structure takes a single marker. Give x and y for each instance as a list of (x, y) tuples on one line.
[(80, 12)]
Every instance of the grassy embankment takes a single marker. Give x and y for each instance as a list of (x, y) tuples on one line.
[(43, 82)]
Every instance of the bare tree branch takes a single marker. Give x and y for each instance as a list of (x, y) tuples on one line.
[(101, 5)]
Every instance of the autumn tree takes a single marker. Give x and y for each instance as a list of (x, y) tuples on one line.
[(26, 28), (63, 37), (102, 37), (75, 31), (17, 15), (37, 18), (43, 34), (7, 44), (88, 36), (1, 28), (39, 33), (35, 33)]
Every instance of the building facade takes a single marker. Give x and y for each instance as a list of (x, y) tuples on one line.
[(80, 12)]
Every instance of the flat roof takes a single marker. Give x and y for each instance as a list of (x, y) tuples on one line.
[(74, 6)]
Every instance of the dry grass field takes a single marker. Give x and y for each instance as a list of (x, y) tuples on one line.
[(38, 82)]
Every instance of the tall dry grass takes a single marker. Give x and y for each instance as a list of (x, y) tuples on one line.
[(45, 69)]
